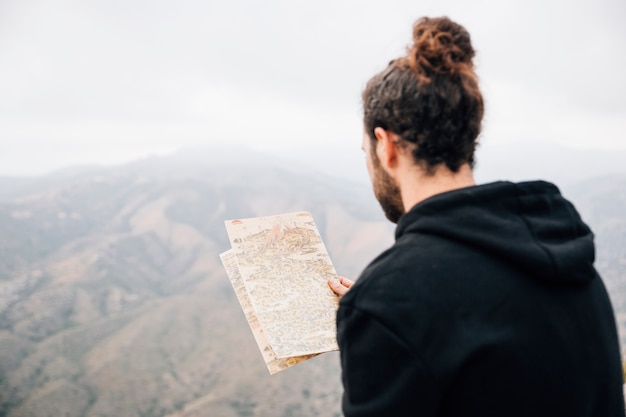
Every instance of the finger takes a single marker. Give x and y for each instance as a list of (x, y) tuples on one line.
[(337, 287), (346, 282)]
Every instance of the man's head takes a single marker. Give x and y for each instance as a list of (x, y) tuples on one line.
[(428, 99)]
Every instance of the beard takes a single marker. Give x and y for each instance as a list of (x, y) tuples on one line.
[(387, 193)]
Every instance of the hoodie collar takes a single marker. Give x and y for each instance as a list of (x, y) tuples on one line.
[(529, 225)]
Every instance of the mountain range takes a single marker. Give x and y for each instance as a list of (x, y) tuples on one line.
[(113, 301)]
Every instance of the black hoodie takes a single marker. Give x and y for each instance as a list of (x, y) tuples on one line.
[(487, 304)]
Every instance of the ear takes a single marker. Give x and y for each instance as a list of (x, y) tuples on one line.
[(386, 148)]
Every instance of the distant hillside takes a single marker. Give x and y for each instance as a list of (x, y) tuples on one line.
[(113, 301), (534, 160)]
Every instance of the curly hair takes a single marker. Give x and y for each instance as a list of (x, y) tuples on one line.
[(430, 97)]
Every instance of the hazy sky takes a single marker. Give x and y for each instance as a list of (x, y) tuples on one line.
[(90, 81)]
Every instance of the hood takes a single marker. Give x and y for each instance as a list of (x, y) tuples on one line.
[(529, 225)]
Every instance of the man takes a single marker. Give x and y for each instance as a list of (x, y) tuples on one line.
[(488, 303)]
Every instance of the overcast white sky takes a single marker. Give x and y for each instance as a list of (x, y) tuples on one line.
[(89, 81)]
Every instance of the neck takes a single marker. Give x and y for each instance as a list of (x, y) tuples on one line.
[(416, 186)]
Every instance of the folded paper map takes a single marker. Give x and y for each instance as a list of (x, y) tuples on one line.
[(279, 268)]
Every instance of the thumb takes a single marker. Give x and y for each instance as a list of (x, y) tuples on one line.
[(337, 287)]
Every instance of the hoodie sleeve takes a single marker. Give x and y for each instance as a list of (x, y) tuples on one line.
[(381, 374)]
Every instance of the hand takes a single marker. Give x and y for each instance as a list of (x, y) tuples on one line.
[(340, 286)]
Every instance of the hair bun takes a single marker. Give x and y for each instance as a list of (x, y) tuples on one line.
[(440, 46)]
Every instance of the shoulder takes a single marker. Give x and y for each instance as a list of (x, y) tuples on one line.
[(392, 283), (413, 259), (422, 275)]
